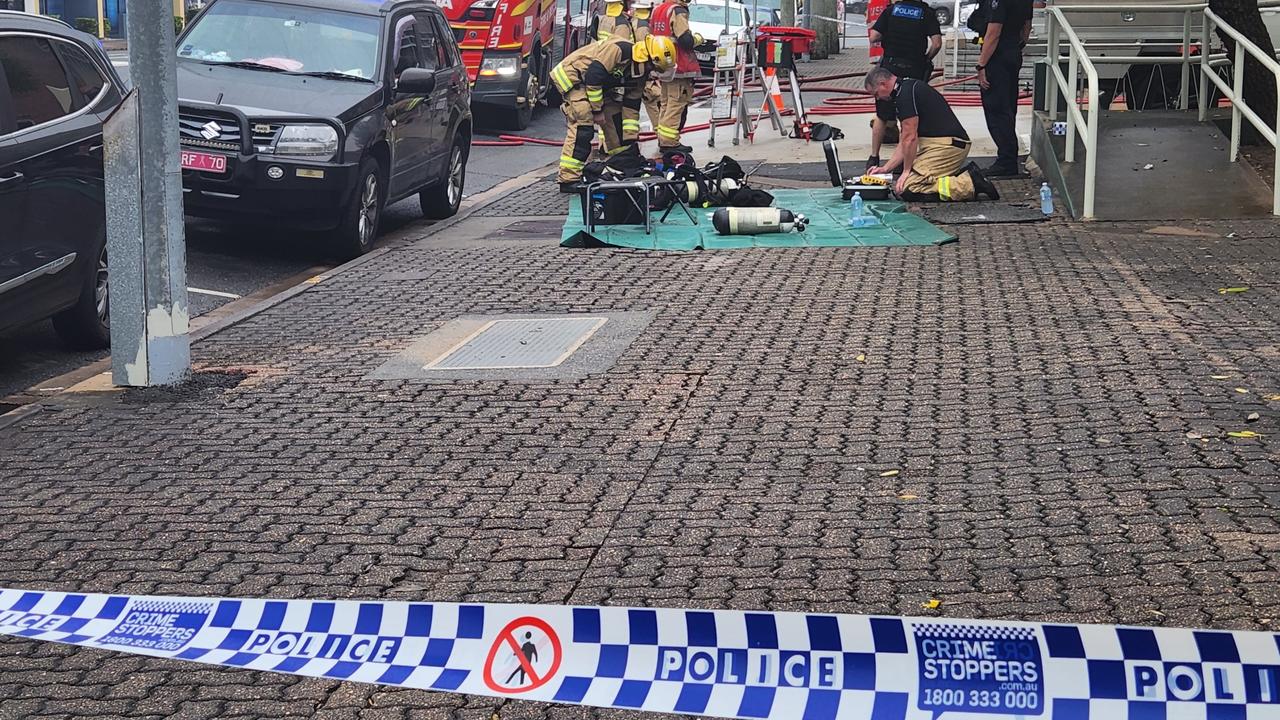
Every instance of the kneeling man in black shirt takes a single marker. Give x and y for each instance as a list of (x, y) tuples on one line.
[(934, 145)]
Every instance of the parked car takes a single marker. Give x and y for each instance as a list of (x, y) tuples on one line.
[(316, 114), (946, 9), (707, 18), (56, 87), (767, 16)]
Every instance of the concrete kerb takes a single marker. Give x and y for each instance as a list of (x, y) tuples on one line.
[(83, 374)]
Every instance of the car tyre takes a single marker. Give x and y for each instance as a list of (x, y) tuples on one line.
[(944, 15), (443, 198), (87, 324), (360, 219)]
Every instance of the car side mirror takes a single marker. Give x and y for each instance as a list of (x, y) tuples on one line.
[(416, 81)]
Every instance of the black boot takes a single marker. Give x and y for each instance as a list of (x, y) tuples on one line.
[(919, 197), (981, 185), (1003, 170), (873, 161), (571, 188)]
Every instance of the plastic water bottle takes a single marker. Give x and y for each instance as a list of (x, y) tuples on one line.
[(1046, 199), (855, 210)]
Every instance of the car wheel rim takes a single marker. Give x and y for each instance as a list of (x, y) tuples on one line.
[(101, 297), (369, 209), (457, 171)]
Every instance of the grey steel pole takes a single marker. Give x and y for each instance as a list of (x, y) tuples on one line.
[(146, 244)]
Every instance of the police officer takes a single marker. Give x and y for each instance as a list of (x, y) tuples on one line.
[(911, 37), (934, 145), (585, 78), (671, 19), (1008, 27)]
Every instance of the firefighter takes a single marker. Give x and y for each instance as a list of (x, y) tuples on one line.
[(934, 145), (585, 78), (671, 19), (615, 21), (910, 35), (652, 98)]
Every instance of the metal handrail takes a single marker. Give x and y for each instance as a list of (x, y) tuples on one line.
[(1057, 25), (1235, 93), (1076, 57)]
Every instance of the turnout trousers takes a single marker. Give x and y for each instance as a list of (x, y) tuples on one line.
[(934, 171), (677, 93), (579, 132)]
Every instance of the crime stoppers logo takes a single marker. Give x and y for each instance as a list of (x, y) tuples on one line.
[(525, 656), (979, 669), (159, 625)]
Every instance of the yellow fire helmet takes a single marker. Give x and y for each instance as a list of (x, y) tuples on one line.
[(613, 9), (642, 4), (657, 49)]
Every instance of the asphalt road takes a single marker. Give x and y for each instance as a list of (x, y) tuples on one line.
[(227, 262)]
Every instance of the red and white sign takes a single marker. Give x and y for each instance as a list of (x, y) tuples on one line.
[(525, 656), (204, 162)]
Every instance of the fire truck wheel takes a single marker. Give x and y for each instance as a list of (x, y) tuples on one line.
[(520, 117)]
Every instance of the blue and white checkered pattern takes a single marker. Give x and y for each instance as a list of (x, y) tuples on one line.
[(981, 631), (728, 664)]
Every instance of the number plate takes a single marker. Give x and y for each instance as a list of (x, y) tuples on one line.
[(204, 162)]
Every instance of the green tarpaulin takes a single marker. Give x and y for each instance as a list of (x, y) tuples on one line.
[(828, 226)]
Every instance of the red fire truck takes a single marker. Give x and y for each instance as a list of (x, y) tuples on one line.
[(509, 48)]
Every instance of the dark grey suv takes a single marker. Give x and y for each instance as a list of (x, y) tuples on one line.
[(318, 113)]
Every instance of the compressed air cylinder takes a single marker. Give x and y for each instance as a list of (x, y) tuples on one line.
[(692, 195), (754, 220)]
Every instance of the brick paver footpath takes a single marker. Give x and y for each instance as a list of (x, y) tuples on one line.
[(1031, 423)]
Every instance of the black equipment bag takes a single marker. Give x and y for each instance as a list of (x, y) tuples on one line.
[(614, 207)]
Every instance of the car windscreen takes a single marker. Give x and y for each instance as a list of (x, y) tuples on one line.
[(290, 38), (714, 14)]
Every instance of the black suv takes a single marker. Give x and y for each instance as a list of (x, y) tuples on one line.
[(318, 113), (56, 88)]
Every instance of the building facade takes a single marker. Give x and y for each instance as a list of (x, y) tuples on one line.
[(105, 18)]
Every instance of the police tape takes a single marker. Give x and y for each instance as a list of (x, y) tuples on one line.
[(719, 663)]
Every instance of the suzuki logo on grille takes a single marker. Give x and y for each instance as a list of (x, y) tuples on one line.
[(211, 130)]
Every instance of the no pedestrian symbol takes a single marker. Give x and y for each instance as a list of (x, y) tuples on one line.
[(525, 656)]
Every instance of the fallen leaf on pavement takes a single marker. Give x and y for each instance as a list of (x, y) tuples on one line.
[(1157, 613), (1194, 435), (931, 605), (1271, 398), (1247, 434), (1242, 391), (1252, 417), (889, 473), (1220, 377), (861, 358), (907, 496), (1224, 291)]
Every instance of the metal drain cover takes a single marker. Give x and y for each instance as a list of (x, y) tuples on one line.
[(523, 347), (530, 343)]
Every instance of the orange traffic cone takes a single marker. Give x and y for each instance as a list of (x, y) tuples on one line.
[(772, 89)]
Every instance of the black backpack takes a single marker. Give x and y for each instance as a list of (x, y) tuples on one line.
[(622, 166)]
